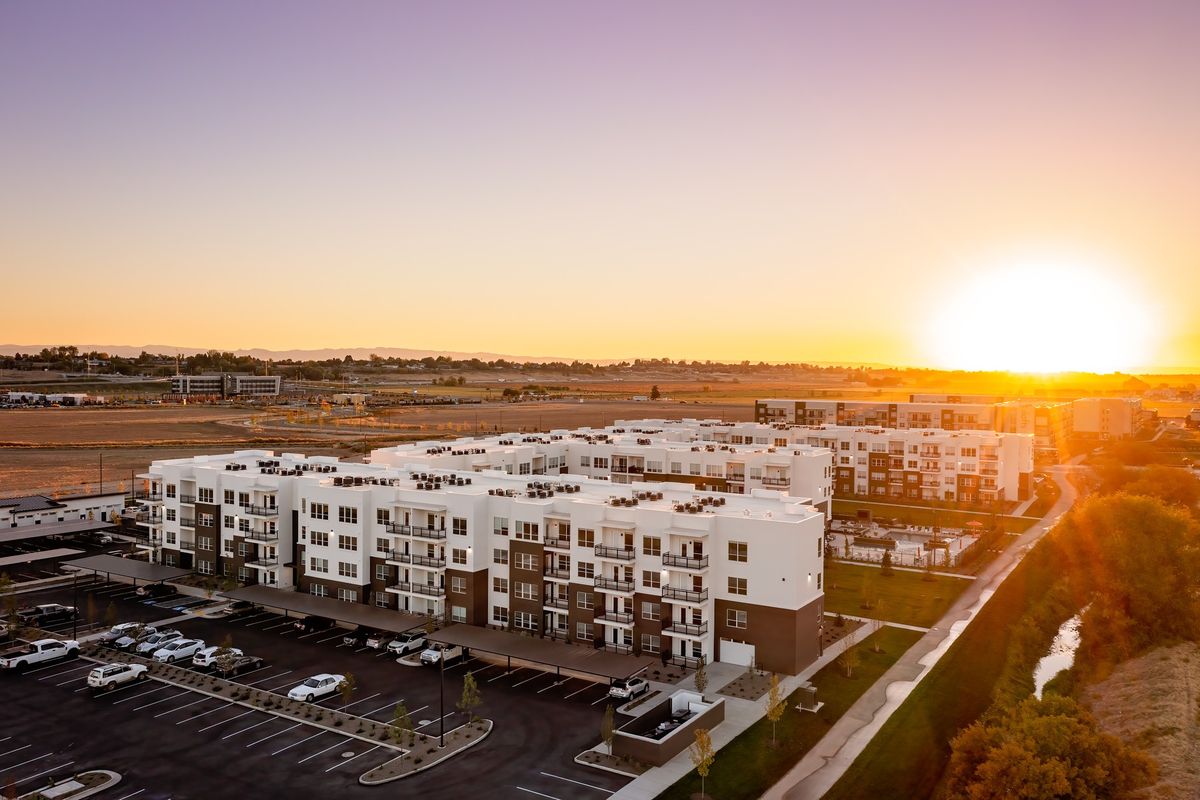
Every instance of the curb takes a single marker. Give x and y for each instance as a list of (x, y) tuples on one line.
[(115, 779), (579, 760), (362, 779)]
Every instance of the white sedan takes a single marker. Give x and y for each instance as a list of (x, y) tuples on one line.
[(178, 650), (317, 686)]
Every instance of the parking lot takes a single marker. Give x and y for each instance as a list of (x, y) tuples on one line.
[(155, 731), (38, 568)]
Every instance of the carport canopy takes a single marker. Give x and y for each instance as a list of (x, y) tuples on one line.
[(22, 532), (310, 605), (544, 651), (39, 555), (128, 568)]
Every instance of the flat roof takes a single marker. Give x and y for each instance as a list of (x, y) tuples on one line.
[(544, 651), (42, 555), (128, 568), (22, 532), (358, 613)]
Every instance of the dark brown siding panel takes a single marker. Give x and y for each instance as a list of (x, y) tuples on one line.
[(784, 641)]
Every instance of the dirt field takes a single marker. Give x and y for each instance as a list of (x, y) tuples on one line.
[(506, 417)]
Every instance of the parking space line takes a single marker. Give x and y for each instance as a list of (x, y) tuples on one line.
[(5, 739), (17, 749), (70, 680), (348, 760), (205, 713), (601, 699), (251, 671), (463, 663), (23, 763), (555, 683), (131, 794), (43, 669), (273, 735), (587, 685), (142, 694), (43, 772), (270, 618), (382, 652), (270, 678), (288, 682), (330, 639), (222, 722), (581, 783), (527, 680), (177, 708), (246, 620), (252, 727), (156, 702), (432, 721), (415, 710), (314, 755), (314, 633), (365, 699), (502, 674), (381, 708), (539, 794), (479, 674), (302, 741), (283, 624)]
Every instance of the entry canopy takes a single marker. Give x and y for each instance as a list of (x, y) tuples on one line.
[(22, 532), (544, 651), (128, 568), (310, 605)]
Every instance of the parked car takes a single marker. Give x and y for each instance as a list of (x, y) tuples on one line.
[(133, 637), (377, 640), (110, 676), (316, 687), (38, 652), (154, 590), (117, 631), (359, 637), (628, 688), (178, 650), (46, 614), (208, 656), (405, 643), (440, 651), (236, 666), (237, 608), (152, 644), (104, 538), (310, 624)]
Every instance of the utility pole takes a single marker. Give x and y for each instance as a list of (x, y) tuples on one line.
[(101, 472), (442, 700)]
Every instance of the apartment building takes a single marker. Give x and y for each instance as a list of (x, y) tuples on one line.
[(226, 385), (646, 567), (1108, 417), (943, 415), (634, 452)]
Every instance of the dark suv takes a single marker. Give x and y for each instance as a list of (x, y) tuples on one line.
[(309, 624)]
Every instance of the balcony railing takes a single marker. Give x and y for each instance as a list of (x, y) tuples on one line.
[(416, 530), (187, 522), (187, 544), (619, 553), (416, 560), (614, 585), (266, 563), (187, 498), (556, 602), (628, 469), (563, 573), (150, 497), (261, 511), (421, 588), (989, 457), (615, 647), (776, 481), (672, 560), (146, 518), (687, 628), (688, 595), (615, 616), (558, 543), (687, 662), (261, 536)]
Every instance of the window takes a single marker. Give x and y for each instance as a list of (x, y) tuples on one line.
[(319, 538), (458, 555), (383, 546), (651, 644), (584, 631), (348, 595), (651, 611), (587, 537), (676, 467), (348, 543), (243, 549), (170, 490), (319, 511), (382, 572), (500, 585), (654, 466), (820, 548), (500, 556), (524, 591), (737, 586), (229, 521), (523, 468), (600, 463), (458, 613), (458, 526), (527, 561), (170, 515), (500, 614), (347, 514), (347, 569), (528, 531), (228, 497), (243, 525), (525, 621), (243, 499), (318, 565), (205, 495), (584, 600), (651, 546), (584, 461), (586, 569), (204, 567), (735, 618), (714, 470), (204, 543), (383, 600), (382, 516), (500, 526), (318, 590), (458, 584), (819, 576), (693, 469), (651, 578), (739, 551)]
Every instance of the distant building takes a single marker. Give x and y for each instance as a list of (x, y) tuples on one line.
[(67, 399), (1108, 417), (36, 509), (225, 385)]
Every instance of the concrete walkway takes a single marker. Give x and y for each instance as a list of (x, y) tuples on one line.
[(825, 763)]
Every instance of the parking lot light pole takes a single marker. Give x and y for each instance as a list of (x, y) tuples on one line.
[(442, 702), (75, 605)]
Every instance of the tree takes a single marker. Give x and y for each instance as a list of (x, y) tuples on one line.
[(848, 660), (347, 687), (776, 704), (608, 728), (702, 755), (430, 625), (927, 572), (224, 653), (110, 614), (885, 565), (471, 699), (868, 591), (876, 626), (655, 394), (701, 679), (402, 728)]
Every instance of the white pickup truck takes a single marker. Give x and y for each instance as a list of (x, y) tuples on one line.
[(440, 652), (37, 652)]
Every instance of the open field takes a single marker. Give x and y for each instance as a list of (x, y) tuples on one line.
[(905, 597), (912, 515), (506, 417), (749, 765)]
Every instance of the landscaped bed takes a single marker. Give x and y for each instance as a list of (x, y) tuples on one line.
[(423, 752)]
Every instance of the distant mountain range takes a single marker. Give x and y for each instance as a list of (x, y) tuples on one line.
[(357, 353)]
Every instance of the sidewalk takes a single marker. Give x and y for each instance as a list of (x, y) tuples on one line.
[(824, 764), (918, 570)]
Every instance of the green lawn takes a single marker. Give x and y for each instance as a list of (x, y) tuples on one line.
[(908, 755), (909, 515), (905, 597), (749, 765)]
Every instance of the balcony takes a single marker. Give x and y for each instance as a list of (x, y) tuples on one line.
[(774, 480), (149, 497), (261, 536), (687, 662), (686, 595), (560, 573), (187, 522), (735, 477), (146, 518), (615, 647), (556, 602), (616, 553), (264, 563), (684, 562), (686, 629), (261, 511), (187, 544), (628, 469), (429, 590), (989, 471), (190, 499), (417, 531), (614, 585), (433, 562), (558, 543), (989, 457), (615, 617)]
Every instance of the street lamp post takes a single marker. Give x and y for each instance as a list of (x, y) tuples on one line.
[(75, 605), (442, 701)]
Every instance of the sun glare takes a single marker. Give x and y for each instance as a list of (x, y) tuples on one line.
[(1042, 316)]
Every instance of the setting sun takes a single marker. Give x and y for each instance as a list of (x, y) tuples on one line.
[(1042, 316)]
